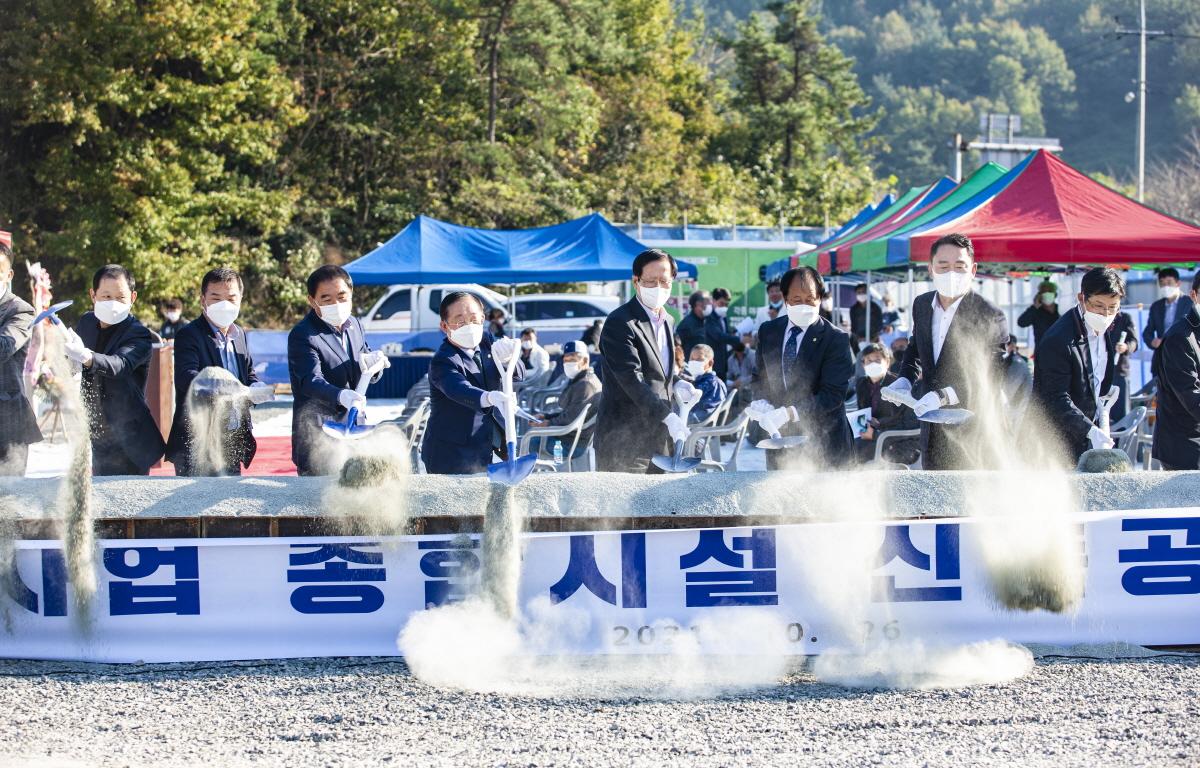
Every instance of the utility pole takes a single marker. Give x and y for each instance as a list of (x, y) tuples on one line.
[(1142, 34)]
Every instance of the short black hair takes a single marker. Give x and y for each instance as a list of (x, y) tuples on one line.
[(958, 240), (876, 346), (1196, 282), (860, 287), (697, 297), (528, 332), (1167, 272), (774, 283), (324, 273), (221, 275), (452, 298), (113, 271), (172, 304), (1102, 281), (6, 253), (803, 273), (721, 293), (650, 256)]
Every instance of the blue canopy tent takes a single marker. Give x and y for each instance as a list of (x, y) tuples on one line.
[(431, 251)]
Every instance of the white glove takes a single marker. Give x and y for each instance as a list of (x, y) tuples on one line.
[(503, 349), (371, 359), (899, 392), (676, 426), (262, 392), (687, 394), (348, 399), (75, 349), (1099, 439), (775, 418), (758, 408), (931, 402), (502, 402)]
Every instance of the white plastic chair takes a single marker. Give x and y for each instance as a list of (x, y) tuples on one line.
[(575, 429), (736, 429)]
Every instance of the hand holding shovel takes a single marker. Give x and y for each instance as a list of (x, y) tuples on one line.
[(686, 397)]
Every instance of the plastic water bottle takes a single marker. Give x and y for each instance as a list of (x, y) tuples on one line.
[(558, 453)]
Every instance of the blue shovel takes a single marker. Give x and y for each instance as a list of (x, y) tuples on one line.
[(513, 469), (350, 429), (51, 312)]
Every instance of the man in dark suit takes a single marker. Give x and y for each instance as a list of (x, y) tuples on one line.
[(214, 340), (327, 355), (1076, 363), (466, 401), (1171, 306), (18, 425), (955, 351), (858, 315), (804, 369), (702, 325), (638, 345), (1176, 365), (114, 350)]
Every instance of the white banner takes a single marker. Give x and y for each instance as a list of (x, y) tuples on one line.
[(210, 599)]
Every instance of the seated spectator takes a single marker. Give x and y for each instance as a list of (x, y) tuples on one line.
[(591, 337), (899, 345), (535, 359), (582, 390), (740, 368), (885, 416), (496, 322), (712, 389)]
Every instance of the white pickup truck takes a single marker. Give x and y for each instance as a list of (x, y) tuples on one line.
[(415, 308)]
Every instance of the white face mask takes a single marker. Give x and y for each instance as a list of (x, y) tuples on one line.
[(721, 311), (1168, 292), (1048, 297), (172, 317), (951, 284), (707, 310), (696, 367), (336, 314), (526, 344), (777, 304), (827, 305), (467, 336), (112, 312), (654, 298), (4, 288), (571, 370), (875, 370), (802, 315), (861, 298), (1097, 322), (222, 313)]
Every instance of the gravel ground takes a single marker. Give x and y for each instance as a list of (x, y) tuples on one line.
[(361, 712)]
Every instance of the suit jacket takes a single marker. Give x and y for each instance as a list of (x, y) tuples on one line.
[(195, 350), (817, 388), (709, 330), (1041, 319), (461, 433), (1176, 365), (1062, 380), (1156, 325), (637, 392), (18, 425), (319, 369), (114, 391), (972, 355)]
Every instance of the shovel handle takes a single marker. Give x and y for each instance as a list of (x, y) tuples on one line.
[(351, 417)]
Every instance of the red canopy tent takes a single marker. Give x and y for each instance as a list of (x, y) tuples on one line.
[(1053, 214)]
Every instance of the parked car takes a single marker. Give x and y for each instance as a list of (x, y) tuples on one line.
[(562, 311), (395, 311)]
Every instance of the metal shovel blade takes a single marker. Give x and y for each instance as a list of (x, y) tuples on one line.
[(512, 471), (947, 416), (776, 443), (676, 463), (349, 429), (52, 311), (215, 382)]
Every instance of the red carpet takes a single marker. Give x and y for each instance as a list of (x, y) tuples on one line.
[(274, 457)]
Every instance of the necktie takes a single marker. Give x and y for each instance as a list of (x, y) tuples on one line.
[(791, 355), (479, 365)]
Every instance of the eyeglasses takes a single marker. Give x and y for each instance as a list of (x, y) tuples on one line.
[(661, 283), (454, 325)]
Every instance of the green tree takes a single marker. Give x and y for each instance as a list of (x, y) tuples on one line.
[(140, 133)]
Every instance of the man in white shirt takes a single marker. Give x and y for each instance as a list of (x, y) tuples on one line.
[(774, 305), (958, 339), (1075, 363), (534, 356)]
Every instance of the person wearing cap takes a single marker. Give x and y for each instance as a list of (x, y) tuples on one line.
[(113, 349), (583, 389), (18, 425), (215, 340)]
